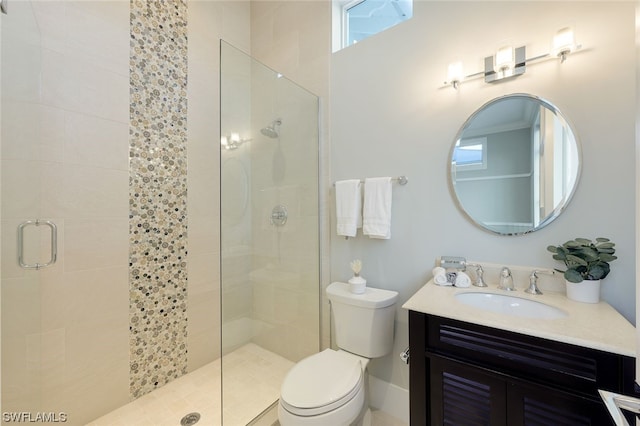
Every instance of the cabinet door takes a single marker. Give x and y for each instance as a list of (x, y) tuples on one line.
[(535, 405), (462, 395)]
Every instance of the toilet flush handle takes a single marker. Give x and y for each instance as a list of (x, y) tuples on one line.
[(404, 356)]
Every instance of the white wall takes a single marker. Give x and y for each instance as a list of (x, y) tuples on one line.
[(294, 38), (65, 103), (65, 145), (208, 22), (390, 116)]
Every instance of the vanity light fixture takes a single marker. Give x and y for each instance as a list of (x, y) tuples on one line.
[(504, 59), (455, 74), (233, 141), (509, 62), (563, 43)]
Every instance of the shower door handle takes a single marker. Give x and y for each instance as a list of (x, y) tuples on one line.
[(3, 6), (54, 244)]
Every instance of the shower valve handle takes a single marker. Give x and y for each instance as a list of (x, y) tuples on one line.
[(279, 215)]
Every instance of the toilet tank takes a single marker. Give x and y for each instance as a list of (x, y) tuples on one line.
[(363, 323)]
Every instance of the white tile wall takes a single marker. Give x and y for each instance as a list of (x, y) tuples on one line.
[(94, 244), (67, 144), (203, 302), (37, 131), (294, 38), (23, 200), (65, 102), (82, 191), (96, 142)]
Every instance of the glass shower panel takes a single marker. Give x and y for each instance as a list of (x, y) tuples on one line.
[(269, 232), (64, 160), (21, 195)]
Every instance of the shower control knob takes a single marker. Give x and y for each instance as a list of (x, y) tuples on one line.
[(279, 215)]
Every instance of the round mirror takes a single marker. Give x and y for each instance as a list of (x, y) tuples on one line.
[(514, 165)]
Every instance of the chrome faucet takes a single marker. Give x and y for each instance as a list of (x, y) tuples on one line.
[(479, 282), (506, 280), (533, 280)]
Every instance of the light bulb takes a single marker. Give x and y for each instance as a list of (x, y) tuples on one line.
[(455, 74), (504, 59), (563, 43)]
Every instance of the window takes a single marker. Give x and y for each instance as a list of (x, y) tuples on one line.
[(471, 154), (364, 18)]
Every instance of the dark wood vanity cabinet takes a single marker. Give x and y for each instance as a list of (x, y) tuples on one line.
[(465, 374)]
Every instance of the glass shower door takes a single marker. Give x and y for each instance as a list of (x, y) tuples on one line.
[(21, 202), (64, 162), (269, 232)]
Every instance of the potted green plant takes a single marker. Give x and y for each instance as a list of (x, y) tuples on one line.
[(587, 262)]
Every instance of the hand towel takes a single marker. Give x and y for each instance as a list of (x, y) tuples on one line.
[(462, 280), (376, 213), (440, 276), (348, 207)]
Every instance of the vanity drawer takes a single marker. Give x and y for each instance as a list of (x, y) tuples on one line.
[(578, 369)]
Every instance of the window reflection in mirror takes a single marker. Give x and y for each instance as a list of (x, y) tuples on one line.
[(514, 165), (470, 154)]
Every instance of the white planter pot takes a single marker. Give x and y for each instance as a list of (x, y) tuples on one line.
[(588, 291)]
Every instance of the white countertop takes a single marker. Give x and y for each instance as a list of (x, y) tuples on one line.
[(596, 326)]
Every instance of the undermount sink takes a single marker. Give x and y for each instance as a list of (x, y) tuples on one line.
[(510, 305)]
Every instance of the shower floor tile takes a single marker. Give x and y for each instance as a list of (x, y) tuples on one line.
[(252, 378)]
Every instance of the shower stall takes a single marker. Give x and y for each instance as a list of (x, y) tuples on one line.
[(269, 231), (155, 261)]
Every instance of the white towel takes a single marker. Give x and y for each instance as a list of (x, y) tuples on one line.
[(348, 207), (440, 276), (376, 213), (438, 270), (462, 280)]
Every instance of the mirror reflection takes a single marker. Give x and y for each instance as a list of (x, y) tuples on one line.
[(514, 165)]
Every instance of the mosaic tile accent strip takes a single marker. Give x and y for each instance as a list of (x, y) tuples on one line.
[(158, 193)]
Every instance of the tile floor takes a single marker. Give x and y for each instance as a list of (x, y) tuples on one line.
[(252, 378)]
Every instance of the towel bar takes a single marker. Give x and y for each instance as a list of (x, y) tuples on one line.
[(402, 180)]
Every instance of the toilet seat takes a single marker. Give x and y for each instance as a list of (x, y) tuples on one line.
[(321, 383)]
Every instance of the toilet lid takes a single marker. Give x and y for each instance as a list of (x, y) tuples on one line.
[(321, 383)]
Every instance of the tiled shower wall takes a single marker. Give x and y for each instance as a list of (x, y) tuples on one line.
[(158, 194), (293, 37), (65, 138), (203, 305), (65, 158)]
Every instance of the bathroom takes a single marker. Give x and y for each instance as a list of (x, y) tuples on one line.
[(383, 111)]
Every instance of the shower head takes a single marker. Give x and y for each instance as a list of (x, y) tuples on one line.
[(271, 130)]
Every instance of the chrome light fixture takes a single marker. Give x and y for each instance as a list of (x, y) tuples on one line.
[(455, 74), (563, 43), (504, 59), (509, 62), (232, 141)]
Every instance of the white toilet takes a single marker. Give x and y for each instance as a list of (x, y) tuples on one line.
[(328, 388)]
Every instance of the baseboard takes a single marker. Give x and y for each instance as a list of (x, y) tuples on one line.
[(390, 398)]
